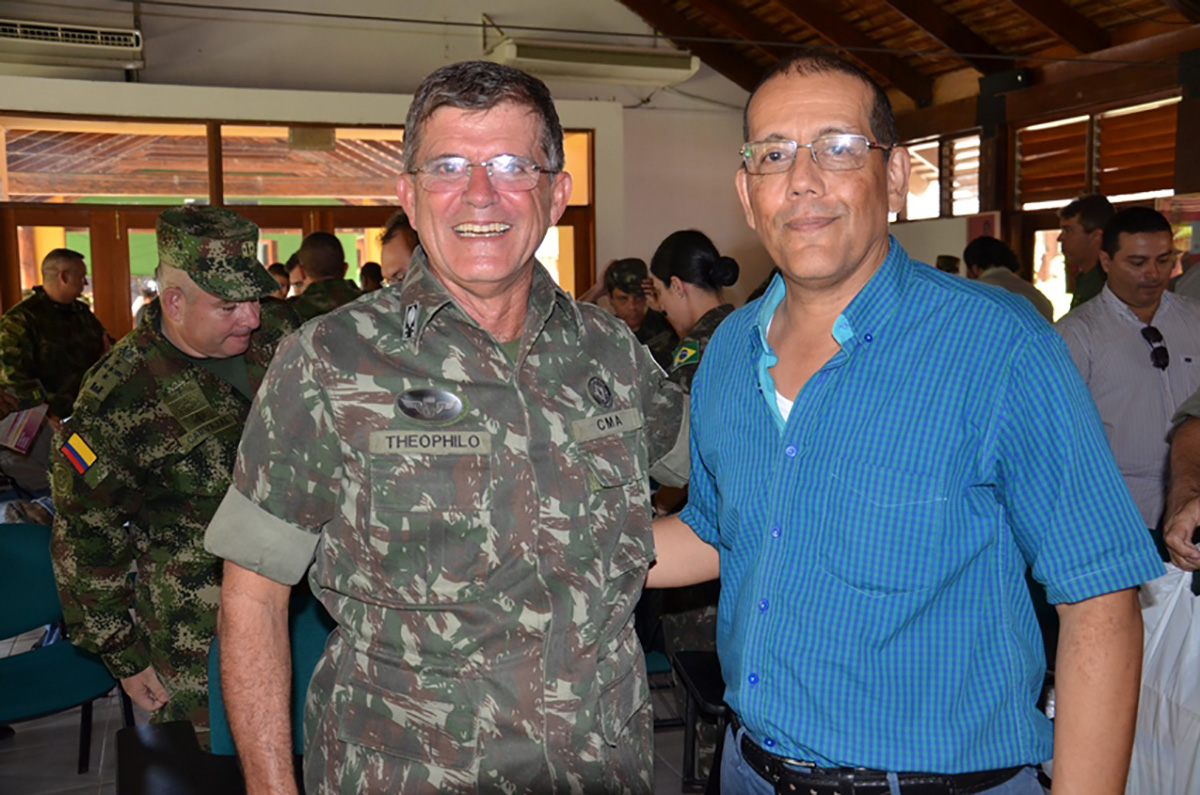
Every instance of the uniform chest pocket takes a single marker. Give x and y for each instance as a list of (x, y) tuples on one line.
[(430, 533), (883, 530), (618, 485)]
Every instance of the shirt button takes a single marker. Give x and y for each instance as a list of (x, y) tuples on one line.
[(868, 337), (790, 451), (762, 604), (769, 743), (776, 532), (752, 679)]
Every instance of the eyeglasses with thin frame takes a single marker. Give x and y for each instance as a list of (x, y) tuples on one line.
[(841, 152), (1159, 356), (507, 172)]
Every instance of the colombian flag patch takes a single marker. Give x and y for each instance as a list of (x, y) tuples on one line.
[(78, 453)]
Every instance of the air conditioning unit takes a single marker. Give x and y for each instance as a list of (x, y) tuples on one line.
[(52, 44), (574, 61)]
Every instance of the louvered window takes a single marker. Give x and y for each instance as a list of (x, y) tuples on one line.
[(1052, 161), (1136, 150)]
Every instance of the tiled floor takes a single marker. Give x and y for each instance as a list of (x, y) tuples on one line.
[(41, 758)]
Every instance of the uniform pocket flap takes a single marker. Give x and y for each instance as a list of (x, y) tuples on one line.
[(619, 703), (420, 730)]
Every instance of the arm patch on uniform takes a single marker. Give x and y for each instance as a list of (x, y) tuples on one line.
[(686, 353), (78, 453)]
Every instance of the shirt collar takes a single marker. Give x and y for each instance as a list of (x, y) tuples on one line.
[(421, 292), (865, 315), (1122, 309)]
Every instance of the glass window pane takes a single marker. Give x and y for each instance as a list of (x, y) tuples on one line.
[(35, 242), (577, 149), (306, 165), (966, 175), (82, 161), (924, 188)]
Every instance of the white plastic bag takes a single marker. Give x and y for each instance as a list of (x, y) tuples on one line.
[(1166, 748)]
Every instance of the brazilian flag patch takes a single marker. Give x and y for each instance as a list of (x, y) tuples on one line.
[(685, 354), (78, 453)]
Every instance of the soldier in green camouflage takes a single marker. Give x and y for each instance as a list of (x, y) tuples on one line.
[(49, 340), (145, 459), (466, 457), (322, 261), (624, 281)]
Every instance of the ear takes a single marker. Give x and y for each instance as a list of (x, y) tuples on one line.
[(173, 303), (899, 165), (740, 181), (405, 191), (560, 194), (1105, 260), (675, 285)]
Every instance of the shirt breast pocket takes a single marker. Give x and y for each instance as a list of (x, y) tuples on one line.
[(430, 534), (884, 529)]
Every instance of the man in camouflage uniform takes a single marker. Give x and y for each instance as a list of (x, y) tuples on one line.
[(146, 458), (466, 455), (624, 282), (49, 340), (323, 262)]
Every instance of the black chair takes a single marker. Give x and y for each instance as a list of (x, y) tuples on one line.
[(700, 672)]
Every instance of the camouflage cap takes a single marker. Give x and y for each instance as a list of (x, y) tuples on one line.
[(626, 274), (217, 248)]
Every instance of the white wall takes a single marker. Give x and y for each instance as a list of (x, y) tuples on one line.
[(679, 175), (925, 240)]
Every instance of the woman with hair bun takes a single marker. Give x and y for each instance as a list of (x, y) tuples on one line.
[(688, 274)]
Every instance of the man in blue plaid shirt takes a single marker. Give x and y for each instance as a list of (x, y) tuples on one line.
[(879, 451)]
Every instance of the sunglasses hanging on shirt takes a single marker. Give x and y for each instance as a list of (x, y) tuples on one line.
[(1159, 357)]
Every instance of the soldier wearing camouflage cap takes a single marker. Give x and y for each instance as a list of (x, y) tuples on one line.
[(142, 464), (466, 456), (624, 282)]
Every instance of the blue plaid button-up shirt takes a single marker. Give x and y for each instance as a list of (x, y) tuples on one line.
[(873, 546)]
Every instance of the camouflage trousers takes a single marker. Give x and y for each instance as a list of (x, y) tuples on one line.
[(424, 748), (176, 607), (690, 624)]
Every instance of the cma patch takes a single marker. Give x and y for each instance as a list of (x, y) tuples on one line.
[(78, 453), (410, 321), (591, 428), (599, 392), (431, 405), (686, 354)]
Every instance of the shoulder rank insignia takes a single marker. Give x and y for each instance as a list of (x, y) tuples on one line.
[(78, 453), (686, 353), (410, 321)]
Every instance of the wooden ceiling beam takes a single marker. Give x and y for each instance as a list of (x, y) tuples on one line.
[(720, 57), (1068, 25), (1188, 9), (862, 48), (746, 26), (952, 34), (192, 184)]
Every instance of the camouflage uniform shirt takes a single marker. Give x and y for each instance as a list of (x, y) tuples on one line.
[(324, 296), (45, 348), (686, 357), (137, 474), (481, 531), (657, 335)]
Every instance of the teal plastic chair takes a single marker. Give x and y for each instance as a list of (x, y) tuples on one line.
[(309, 625), (47, 679)]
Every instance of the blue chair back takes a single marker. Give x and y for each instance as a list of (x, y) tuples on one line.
[(309, 625)]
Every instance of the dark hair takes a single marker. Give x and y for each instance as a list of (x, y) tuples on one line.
[(1093, 210), (482, 85), (293, 262), (278, 269), (58, 260), (1132, 221), (371, 271), (805, 62), (692, 258), (399, 224), (988, 252), (322, 256)]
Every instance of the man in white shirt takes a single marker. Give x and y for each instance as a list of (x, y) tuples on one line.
[(991, 261), (1138, 350)]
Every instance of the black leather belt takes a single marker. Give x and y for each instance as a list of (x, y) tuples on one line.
[(793, 777)]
